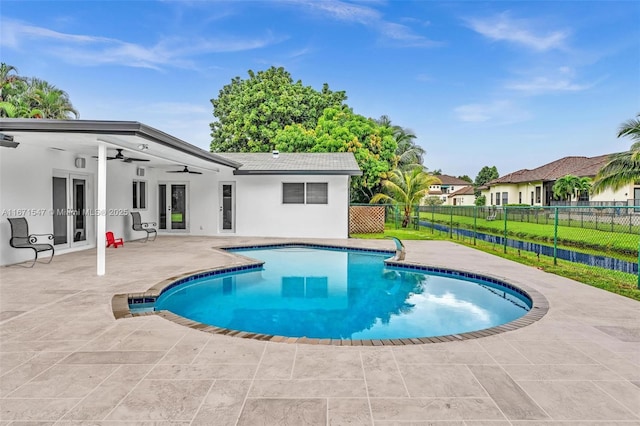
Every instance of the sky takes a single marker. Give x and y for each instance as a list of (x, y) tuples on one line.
[(511, 84)]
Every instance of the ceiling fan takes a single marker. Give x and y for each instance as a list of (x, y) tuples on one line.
[(185, 170), (120, 156)]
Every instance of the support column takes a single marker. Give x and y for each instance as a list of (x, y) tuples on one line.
[(102, 209)]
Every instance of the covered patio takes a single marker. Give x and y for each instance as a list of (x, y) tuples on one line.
[(64, 359)]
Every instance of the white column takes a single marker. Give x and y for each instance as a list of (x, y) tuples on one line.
[(102, 209)]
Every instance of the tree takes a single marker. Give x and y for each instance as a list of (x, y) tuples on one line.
[(408, 153), (486, 174), (565, 187), (406, 188), (340, 130), (251, 112), (465, 178), (622, 168), (22, 97), (480, 201)]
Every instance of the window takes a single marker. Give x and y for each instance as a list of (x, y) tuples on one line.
[(531, 197), (139, 194), (497, 198), (491, 203), (538, 194), (295, 193), (520, 197), (505, 198), (317, 193)]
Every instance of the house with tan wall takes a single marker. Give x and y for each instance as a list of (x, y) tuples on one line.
[(535, 187)]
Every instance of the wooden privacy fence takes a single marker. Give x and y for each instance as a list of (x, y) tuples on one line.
[(366, 219)]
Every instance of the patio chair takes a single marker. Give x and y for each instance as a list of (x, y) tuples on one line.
[(492, 215), (20, 238), (113, 241), (139, 225)]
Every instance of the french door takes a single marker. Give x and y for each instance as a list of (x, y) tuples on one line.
[(172, 206), (71, 206)]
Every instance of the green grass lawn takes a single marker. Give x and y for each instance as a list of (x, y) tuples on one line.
[(615, 282), (616, 244)]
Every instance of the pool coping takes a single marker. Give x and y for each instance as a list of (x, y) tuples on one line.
[(120, 302)]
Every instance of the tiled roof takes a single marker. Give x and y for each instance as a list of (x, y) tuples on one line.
[(577, 166), (339, 163), (467, 190), (452, 180)]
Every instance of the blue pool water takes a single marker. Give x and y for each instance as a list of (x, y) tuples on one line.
[(339, 294)]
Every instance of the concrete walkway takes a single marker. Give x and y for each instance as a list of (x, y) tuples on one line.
[(65, 360)]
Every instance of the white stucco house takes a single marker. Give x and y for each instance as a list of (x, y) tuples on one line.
[(78, 179)]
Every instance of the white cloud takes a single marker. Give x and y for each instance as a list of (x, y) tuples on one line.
[(519, 31), (497, 112), (559, 80), (368, 17), (93, 50)]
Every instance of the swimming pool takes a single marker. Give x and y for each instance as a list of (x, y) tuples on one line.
[(343, 294)]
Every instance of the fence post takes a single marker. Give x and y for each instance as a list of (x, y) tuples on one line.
[(504, 208), (638, 263), (475, 221), (451, 223), (555, 238), (433, 225)]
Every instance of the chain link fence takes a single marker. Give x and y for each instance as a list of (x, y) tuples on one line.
[(600, 236)]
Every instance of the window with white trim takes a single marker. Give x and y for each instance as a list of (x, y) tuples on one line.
[(292, 193), (139, 194), (301, 193), (317, 193)]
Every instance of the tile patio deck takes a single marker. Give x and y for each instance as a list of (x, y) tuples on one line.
[(65, 360)]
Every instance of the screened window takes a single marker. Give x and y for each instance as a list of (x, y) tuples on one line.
[(497, 198), (310, 193), (293, 193), (491, 203), (538, 194), (317, 193), (519, 197), (139, 194), (505, 198)]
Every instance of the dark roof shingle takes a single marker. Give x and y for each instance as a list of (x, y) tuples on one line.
[(577, 166)]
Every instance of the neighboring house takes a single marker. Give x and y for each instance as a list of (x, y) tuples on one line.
[(448, 185), (80, 178), (464, 196), (535, 187)]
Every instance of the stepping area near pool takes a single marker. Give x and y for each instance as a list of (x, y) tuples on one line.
[(65, 359)]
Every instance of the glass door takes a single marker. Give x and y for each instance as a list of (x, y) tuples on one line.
[(227, 206), (69, 202), (172, 206)]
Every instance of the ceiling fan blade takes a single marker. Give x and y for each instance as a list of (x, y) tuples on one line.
[(130, 159), (195, 173)]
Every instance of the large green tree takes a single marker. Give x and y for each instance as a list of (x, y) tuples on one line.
[(486, 174), (622, 168), (340, 130), (250, 112), (406, 188)]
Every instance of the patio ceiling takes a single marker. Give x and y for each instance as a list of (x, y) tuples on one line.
[(82, 137)]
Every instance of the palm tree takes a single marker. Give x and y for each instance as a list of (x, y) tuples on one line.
[(622, 168), (406, 188), (408, 154), (565, 187), (53, 102)]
